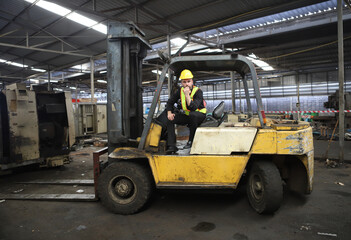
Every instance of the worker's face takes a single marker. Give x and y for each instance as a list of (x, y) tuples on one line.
[(187, 83)]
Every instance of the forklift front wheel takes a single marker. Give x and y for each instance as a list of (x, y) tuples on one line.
[(125, 187), (264, 188)]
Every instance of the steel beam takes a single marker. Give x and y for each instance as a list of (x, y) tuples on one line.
[(44, 50), (341, 77)]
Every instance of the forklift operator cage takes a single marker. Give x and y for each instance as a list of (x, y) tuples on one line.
[(231, 62)]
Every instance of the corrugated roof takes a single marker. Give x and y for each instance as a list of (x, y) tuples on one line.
[(155, 17)]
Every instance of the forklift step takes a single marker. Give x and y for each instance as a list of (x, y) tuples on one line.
[(54, 197), (86, 182)]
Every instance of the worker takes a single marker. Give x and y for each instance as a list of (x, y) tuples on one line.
[(193, 111)]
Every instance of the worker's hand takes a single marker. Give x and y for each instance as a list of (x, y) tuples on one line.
[(170, 116), (187, 90)]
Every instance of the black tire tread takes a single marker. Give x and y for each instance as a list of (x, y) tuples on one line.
[(140, 175), (273, 187)]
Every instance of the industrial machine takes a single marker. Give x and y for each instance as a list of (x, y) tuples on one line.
[(90, 118), (222, 153), (36, 127), (333, 103)]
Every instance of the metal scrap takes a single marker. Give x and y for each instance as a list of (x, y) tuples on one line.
[(307, 228), (340, 183), (18, 191), (331, 163), (328, 234)]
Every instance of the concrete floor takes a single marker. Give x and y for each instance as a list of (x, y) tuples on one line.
[(174, 214)]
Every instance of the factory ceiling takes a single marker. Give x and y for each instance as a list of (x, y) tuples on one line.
[(63, 35)]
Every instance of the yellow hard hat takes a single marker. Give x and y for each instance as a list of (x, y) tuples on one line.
[(186, 74)]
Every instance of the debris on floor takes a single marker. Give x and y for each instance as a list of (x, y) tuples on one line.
[(331, 163), (18, 191), (307, 228), (327, 234), (340, 183), (81, 227), (99, 142)]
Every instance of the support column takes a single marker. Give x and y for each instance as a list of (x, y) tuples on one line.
[(49, 79), (232, 79), (92, 69), (169, 71), (341, 80), (240, 108), (298, 96)]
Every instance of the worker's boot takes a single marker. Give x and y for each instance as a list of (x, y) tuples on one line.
[(188, 145), (171, 149)]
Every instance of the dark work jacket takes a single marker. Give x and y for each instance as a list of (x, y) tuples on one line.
[(195, 104)]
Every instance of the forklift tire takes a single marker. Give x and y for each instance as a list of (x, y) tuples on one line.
[(125, 187), (264, 187)]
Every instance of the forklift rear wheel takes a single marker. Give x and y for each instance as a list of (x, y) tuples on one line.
[(264, 187), (125, 187)]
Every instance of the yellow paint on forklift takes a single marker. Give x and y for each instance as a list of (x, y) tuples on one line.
[(294, 142), (196, 169), (290, 127), (308, 161), (265, 142), (154, 135)]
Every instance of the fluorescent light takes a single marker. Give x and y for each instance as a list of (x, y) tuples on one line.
[(13, 63), (73, 16), (38, 69), (34, 80), (178, 41), (52, 81), (72, 87), (74, 75), (101, 72), (57, 89), (77, 67), (102, 81)]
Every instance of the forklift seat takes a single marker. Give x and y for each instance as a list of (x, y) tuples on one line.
[(216, 118)]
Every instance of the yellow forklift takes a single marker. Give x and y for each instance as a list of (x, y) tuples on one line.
[(269, 153)]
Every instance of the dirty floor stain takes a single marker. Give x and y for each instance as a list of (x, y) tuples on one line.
[(239, 236), (204, 227)]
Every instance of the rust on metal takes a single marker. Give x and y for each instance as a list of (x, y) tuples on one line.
[(96, 166)]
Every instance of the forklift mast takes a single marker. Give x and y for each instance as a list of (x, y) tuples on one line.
[(126, 50)]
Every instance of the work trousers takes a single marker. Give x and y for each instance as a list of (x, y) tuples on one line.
[(193, 120)]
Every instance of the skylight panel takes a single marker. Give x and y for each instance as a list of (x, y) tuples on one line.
[(73, 16), (262, 64), (78, 18), (100, 28), (52, 7)]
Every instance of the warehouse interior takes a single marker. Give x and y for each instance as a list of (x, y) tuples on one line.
[(301, 51)]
